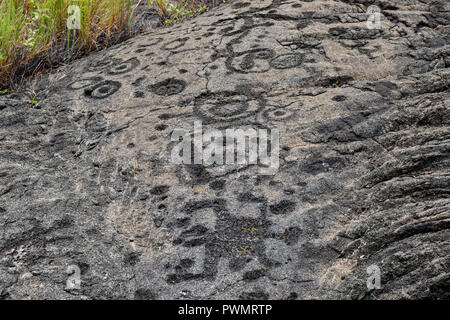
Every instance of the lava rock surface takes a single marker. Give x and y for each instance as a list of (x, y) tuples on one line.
[(86, 177)]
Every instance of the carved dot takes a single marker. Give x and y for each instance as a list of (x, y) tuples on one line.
[(159, 190), (339, 98), (161, 127), (282, 207), (278, 114), (187, 263), (217, 185), (103, 90)]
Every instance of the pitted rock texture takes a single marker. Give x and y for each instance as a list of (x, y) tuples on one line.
[(363, 114)]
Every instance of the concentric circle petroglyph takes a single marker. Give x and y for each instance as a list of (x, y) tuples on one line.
[(103, 89), (226, 106), (123, 67)]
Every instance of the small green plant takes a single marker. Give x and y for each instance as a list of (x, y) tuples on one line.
[(176, 11), (3, 92), (33, 98), (162, 6)]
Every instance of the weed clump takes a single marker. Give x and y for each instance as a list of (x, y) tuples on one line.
[(176, 11)]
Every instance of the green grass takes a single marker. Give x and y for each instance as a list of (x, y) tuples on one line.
[(31, 28)]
